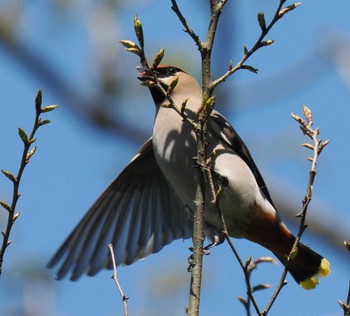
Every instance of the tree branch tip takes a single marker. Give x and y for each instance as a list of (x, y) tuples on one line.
[(267, 42), (250, 68), (158, 58), (6, 207), (307, 145), (23, 135), (9, 175), (248, 261), (242, 300), (262, 22), (245, 50), (49, 108), (288, 9), (14, 217), (38, 100), (299, 120), (259, 287), (138, 31), (307, 113), (230, 66), (300, 214), (43, 122)]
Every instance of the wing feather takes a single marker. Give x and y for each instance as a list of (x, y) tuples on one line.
[(223, 129), (139, 213)]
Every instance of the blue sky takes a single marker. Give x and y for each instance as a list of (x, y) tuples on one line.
[(308, 64)]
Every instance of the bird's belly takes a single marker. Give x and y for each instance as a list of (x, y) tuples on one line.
[(174, 152)]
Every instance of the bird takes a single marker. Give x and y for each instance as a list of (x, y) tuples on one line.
[(151, 202)]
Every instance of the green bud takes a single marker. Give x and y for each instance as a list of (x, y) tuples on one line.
[(9, 175), (183, 105), (260, 287), (307, 113), (250, 68), (44, 122), (261, 20), (158, 58), (149, 84), (267, 42), (172, 85), (135, 51), (48, 108), (207, 108), (23, 135), (5, 206), (14, 217), (30, 154), (38, 100), (323, 145), (128, 44), (138, 31), (298, 119), (288, 9), (307, 145)]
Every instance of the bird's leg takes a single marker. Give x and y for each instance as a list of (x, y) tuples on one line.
[(217, 239)]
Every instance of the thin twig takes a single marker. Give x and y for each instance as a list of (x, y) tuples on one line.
[(258, 44), (317, 147), (187, 27), (346, 306), (16, 180), (244, 266), (115, 278)]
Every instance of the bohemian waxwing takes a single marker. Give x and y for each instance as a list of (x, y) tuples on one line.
[(150, 203)]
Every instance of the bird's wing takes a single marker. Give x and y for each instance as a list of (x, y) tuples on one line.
[(138, 213), (223, 129)]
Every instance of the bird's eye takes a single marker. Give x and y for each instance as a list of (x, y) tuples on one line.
[(171, 71)]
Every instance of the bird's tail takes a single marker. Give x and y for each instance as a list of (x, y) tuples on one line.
[(307, 266)]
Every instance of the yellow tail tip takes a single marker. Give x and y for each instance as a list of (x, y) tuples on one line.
[(323, 271), (325, 268)]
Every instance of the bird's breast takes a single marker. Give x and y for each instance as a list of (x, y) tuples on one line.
[(174, 144)]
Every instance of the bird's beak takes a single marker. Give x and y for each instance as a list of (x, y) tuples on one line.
[(146, 74)]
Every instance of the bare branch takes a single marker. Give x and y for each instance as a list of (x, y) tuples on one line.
[(187, 27), (307, 129), (26, 155), (115, 278), (259, 43)]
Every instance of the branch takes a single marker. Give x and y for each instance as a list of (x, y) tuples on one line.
[(208, 103), (28, 152), (245, 270), (316, 147), (346, 306), (258, 44), (115, 278), (187, 27)]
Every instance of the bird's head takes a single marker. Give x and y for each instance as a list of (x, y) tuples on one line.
[(187, 86)]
